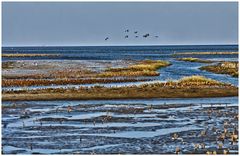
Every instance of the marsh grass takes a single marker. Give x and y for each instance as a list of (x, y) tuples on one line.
[(191, 59), (8, 65), (194, 86), (143, 68), (199, 81), (46, 82), (229, 68)]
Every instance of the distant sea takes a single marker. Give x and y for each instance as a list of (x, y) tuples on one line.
[(117, 52)]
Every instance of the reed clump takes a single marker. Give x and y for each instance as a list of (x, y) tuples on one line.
[(194, 81), (199, 81), (191, 59), (229, 68)]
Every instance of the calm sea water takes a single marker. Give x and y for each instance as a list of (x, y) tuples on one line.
[(120, 52)]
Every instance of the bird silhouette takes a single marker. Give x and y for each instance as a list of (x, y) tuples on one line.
[(135, 32), (106, 38), (127, 30), (146, 35), (126, 36), (136, 36), (156, 36)]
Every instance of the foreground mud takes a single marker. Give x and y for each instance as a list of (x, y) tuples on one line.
[(65, 127)]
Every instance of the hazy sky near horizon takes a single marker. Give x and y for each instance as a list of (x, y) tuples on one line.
[(79, 23)]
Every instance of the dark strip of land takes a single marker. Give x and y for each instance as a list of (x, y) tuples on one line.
[(29, 55), (46, 82), (207, 53)]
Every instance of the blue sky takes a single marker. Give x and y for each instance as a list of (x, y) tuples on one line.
[(78, 23)]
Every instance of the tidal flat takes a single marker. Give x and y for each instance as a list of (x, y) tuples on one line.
[(119, 100), (119, 127)]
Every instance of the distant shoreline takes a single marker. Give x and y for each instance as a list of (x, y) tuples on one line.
[(166, 45)]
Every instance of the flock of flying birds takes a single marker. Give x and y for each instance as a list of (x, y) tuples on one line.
[(135, 33)]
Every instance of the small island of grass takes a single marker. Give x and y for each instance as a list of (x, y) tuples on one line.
[(229, 68), (143, 68)]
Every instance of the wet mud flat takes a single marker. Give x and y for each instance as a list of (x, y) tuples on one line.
[(63, 127)]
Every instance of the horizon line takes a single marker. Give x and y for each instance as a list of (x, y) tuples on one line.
[(235, 44)]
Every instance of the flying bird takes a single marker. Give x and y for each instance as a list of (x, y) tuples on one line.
[(146, 35), (156, 36), (135, 32), (126, 36), (106, 38), (127, 30), (136, 36)]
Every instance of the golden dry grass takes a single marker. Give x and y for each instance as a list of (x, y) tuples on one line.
[(199, 80), (46, 82), (188, 87), (143, 68), (230, 68)]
